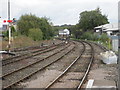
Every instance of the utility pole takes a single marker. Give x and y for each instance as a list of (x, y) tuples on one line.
[(9, 46)]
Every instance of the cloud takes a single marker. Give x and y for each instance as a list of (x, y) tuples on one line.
[(60, 11)]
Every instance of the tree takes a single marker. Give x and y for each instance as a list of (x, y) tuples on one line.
[(35, 34), (76, 31), (46, 28), (29, 21), (90, 19)]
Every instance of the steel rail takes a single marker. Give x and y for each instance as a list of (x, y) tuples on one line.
[(28, 75), (86, 73), (21, 57), (65, 71), (33, 63), (102, 47), (40, 49), (88, 68), (29, 48)]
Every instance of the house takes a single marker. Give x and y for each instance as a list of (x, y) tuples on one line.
[(64, 34)]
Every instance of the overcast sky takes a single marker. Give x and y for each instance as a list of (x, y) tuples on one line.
[(60, 11)]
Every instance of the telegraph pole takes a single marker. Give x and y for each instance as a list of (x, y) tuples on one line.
[(9, 46)]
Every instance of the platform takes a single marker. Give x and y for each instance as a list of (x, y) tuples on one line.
[(100, 84)]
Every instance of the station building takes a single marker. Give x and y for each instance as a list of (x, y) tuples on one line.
[(112, 31)]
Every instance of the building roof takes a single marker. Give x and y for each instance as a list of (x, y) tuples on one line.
[(112, 29), (108, 27), (64, 32)]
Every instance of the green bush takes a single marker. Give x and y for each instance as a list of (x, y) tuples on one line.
[(86, 35), (29, 21), (13, 29), (94, 37), (104, 38), (35, 34), (89, 36), (13, 32), (6, 33)]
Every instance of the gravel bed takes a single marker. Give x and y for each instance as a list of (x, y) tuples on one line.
[(13, 66), (72, 78), (59, 66), (18, 75), (62, 64), (52, 71), (22, 51)]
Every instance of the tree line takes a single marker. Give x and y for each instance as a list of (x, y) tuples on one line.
[(41, 28), (87, 21)]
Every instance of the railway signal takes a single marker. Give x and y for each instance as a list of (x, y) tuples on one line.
[(4, 21), (9, 21)]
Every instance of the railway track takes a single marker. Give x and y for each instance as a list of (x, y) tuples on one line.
[(43, 45), (8, 69), (16, 52), (75, 61), (88, 68), (30, 54), (13, 77), (20, 74), (102, 47)]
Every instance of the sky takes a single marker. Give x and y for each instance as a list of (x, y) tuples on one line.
[(59, 11)]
